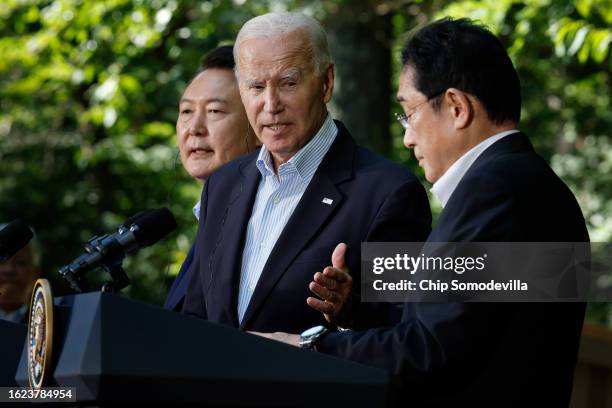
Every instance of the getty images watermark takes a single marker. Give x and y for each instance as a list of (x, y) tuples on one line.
[(486, 272)]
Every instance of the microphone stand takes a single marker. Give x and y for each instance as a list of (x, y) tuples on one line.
[(112, 262)]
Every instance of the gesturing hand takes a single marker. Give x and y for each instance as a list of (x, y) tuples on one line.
[(334, 287)]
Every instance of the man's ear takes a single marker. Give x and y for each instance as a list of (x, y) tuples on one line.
[(460, 107), (328, 83)]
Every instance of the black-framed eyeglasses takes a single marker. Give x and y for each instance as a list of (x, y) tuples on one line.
[(404, 119)]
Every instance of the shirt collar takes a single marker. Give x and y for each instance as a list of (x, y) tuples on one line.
[(446, 185), (306, 161), (196, 210)]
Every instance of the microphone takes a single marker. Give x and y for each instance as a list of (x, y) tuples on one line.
[(108, 251), (13, 237)]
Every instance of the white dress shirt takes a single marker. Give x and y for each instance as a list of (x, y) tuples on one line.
[(446, 185), (277, 197)]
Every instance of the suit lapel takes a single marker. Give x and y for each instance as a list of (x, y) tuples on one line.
[(311, 213), (233, 231)]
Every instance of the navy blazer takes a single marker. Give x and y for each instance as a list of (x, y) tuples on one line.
[(176, 295), (487, 354), (373, 200)]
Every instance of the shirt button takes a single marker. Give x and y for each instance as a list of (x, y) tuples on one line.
[(276, 200)]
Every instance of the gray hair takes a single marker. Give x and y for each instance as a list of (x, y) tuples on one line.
[(281, 24)]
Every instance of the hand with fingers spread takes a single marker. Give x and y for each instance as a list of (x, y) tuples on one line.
[(334, 287)]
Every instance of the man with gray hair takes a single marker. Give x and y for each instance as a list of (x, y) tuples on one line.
[(278, 213)]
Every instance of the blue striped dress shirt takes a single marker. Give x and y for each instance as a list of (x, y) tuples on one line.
[(276, 199)]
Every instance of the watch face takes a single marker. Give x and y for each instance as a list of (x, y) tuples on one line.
[(312, 331)]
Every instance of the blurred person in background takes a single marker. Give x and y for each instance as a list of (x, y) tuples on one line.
[(17, 277)]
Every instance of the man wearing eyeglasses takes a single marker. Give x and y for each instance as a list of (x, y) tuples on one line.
[(462, 102)]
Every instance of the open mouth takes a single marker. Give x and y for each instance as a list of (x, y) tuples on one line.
[(276, 127), (199, 151)]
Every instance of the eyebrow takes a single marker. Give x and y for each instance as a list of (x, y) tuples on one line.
[(251, 82), (220, 100), (293, 73)]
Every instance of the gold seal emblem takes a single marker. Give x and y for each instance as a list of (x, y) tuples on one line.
[(40, 334)]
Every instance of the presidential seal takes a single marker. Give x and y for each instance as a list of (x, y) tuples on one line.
[(40, 334)]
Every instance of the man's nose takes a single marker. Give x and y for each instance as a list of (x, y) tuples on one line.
[(409, 139), (197, 125), (272, 101)]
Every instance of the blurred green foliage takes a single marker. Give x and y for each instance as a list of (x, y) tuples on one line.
[(89, 92)]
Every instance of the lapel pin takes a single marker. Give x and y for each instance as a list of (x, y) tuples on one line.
[(327, 201)]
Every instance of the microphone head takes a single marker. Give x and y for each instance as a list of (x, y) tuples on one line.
[(13, 237), (153, 225), (134, 219)]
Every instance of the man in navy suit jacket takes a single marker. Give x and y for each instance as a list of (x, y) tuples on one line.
[(211, 129), (461, 100), (274, 217)]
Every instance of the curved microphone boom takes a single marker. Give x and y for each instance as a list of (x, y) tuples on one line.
[(108, 251), (14, 236)]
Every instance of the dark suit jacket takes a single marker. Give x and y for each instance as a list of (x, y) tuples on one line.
[(487, 354), (176, 295), (373, 200)]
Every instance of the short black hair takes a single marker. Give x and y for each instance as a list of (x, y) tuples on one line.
[(221, 58), (461, 54)]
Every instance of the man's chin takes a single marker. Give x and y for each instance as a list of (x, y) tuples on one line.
[(429, 176), (200, 172), (282, 147)]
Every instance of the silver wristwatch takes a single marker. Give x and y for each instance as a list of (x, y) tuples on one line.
[(309, 338)]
